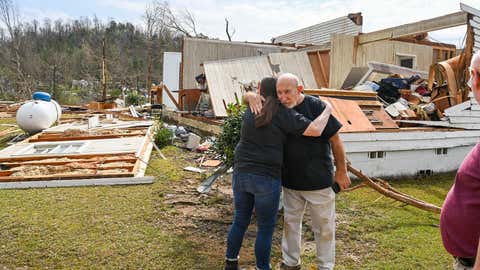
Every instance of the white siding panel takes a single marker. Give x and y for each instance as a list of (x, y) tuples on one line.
[(224, 78)]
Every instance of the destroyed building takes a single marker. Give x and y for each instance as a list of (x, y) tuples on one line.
[(437, 119)]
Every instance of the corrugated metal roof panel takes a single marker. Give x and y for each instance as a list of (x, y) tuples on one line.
[(475, 23), (320, 33), (224, 77)]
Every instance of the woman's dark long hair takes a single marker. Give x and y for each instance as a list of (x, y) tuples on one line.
[(268, 90)]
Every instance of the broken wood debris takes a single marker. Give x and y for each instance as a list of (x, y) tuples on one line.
[(75, 152), (385, 189)]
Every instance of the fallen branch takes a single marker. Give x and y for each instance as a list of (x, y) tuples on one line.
[(385, 189), (355, 187)]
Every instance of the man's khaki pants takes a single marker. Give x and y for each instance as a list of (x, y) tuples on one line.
[(322, 212)]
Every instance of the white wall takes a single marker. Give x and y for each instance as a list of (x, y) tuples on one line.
[(406, 163), (406, 153), (171, 75)]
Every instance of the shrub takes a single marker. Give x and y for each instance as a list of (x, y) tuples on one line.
[(230, 136), (163, 136), (134, 98)]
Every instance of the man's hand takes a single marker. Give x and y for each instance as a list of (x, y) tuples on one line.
[(254, 101), (342, 178), (341, 174)]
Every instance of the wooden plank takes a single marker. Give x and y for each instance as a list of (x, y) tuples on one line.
[(29, 158), (387, 123), (317, 69), (172, 98), (58, 163), (438, 23), (62, 177), (339, 93), (350, 115), (146, 148), (368, 103), (323, 70), (79, 138), (79, 182)]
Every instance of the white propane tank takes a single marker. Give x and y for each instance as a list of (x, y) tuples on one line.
[(39, 113)]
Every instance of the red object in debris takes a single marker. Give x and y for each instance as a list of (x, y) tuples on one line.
[(422, 90)]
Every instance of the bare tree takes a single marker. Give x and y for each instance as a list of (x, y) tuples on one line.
[(9, 16), (182, 22), (152, 19), (229, 35)]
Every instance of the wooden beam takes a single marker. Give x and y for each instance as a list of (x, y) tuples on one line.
[(58, 163), (172, 98), (339, 93), (30, 158), (78, 138), (79, 182), (62, 177), (322, 69), (438, 23)]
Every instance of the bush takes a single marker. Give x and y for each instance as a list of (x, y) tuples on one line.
[(230, 136), (134, 98), (115, 93), (163, 136)]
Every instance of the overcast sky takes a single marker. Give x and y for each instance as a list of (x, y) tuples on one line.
[(259, 20)]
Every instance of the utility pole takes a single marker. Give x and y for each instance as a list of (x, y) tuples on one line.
[(104, 73), (54, 91)]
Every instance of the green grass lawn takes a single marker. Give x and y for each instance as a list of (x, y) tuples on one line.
[(93, 228), (131, 227), (376, 232)]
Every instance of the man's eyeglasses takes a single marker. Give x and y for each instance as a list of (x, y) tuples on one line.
[(473, 72)]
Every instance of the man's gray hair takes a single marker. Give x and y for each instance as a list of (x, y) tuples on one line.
[(290, 77), (475, 58)]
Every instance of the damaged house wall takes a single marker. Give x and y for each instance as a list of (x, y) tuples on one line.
[(198, 51), (344, 55)]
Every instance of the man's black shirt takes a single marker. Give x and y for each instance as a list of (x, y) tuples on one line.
[(308, 162)]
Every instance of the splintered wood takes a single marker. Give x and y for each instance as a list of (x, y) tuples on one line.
[(70, 166), (79, 134)]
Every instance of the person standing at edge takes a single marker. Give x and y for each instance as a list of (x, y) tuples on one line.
[(460, 216)]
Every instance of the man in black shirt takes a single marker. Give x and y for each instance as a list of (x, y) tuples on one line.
[(308, 176)]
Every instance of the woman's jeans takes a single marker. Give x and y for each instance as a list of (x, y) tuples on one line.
[(262, 193)]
